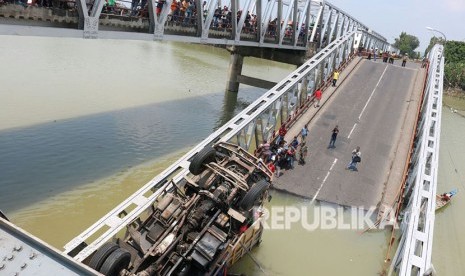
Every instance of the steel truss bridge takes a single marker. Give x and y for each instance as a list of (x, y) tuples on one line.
[(284, 103), (413, 256), (256, 123), (315, 23), (330, 30)]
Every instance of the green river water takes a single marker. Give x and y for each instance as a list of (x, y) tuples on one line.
[(84, 123)]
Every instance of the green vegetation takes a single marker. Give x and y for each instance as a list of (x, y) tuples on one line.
[(407, 44), (454, 68)]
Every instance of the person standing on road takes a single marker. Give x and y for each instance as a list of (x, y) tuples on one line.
[(356, 158), (424, 62), (304, 132), (317, 97), (281, 133), (333, 138), (295, 142), (276, 159), (391, 58), (335, 77), (385, 56), (290, 155), (303, 153), (404, 60)]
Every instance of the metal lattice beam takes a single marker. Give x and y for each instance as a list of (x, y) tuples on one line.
[(258, 122), (413, 256), (281, 24)]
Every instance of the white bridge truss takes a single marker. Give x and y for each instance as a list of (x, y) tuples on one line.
[(258, 122), (302, 22), (413, 256)]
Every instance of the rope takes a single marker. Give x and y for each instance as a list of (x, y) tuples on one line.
[(253, 259), (455, 168)]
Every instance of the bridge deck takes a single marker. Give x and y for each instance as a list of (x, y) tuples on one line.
[(369, 105)]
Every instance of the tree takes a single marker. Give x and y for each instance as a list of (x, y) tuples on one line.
[(407, 44), (455, 75), (433, 41), (454, 51), (454, 67)]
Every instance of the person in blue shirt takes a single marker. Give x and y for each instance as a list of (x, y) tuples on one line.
[(356, 158), (295, 142), (304, 132)]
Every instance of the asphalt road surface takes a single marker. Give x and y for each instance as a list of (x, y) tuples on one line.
[(369, 108)]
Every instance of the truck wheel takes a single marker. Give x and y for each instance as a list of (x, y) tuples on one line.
[(204, 156), (117, 261), (254, 194), (102, 254)]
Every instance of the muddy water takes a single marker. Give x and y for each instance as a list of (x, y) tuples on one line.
[(449, 238), (85, 123), (301, 249)]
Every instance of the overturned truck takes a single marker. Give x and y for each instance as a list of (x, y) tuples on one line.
[(199, 226)]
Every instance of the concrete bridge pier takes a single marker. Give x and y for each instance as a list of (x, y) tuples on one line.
[(235, 70), (237, 60)]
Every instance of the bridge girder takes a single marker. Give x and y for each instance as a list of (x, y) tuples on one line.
[(285, 24), (258, 122), (413, 255)]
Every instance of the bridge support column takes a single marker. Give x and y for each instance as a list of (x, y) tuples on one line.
[(235, 70)]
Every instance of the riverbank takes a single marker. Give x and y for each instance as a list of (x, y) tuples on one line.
[(455, 101)]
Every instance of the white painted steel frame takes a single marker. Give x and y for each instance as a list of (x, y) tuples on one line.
[(257, 122), (298, 12), (413, 256), (24, 254)]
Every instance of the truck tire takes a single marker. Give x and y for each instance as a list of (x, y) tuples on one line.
[(205, 156), (117, 261), (102, 254), (253, 194)]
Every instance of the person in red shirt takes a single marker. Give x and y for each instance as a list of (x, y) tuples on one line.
[(271, 167), (290, 157), (281, 133), (317, 97)]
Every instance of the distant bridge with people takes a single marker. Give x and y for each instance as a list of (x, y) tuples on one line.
[(302, 23), (288, 31), (334, 37), (412, 170)]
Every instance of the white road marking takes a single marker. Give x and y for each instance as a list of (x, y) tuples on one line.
[(414, 69), (352, 130), (324, 180), (374, 89)]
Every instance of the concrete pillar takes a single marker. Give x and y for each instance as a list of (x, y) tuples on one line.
[(311, 50), (229, 105), (235, 69)]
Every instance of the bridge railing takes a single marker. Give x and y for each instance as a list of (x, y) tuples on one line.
[(413, 256), (256, 123), (286, 24)]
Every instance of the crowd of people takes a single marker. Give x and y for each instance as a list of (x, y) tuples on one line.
[(280, 154), (387, 57), (181, 12)]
